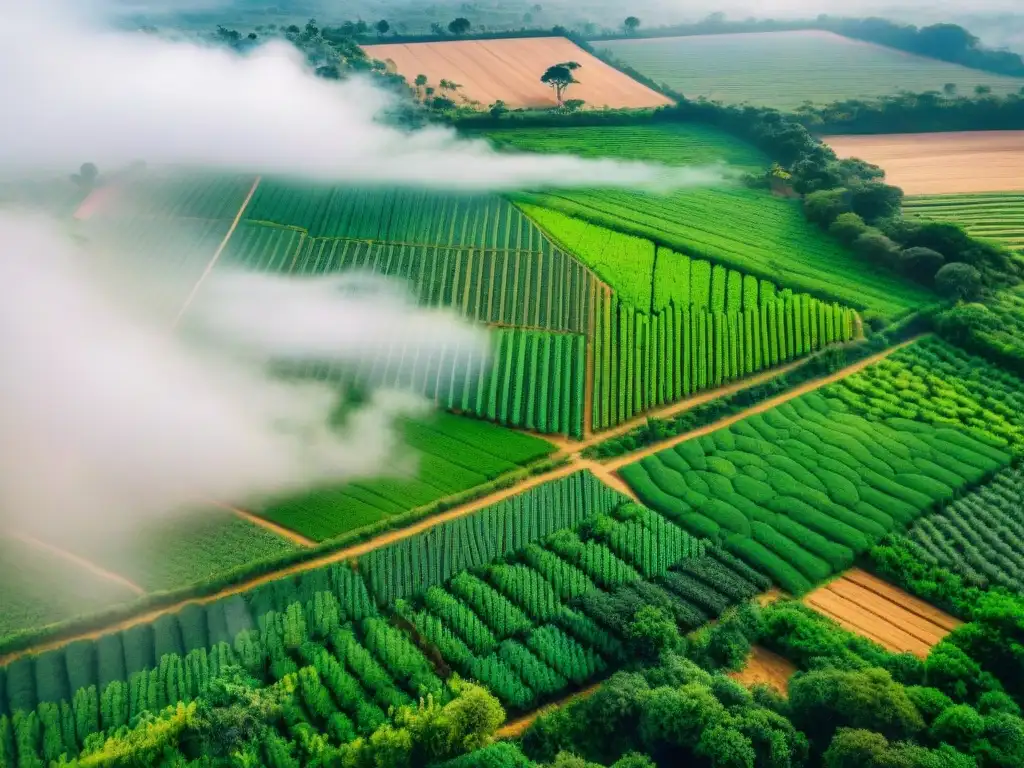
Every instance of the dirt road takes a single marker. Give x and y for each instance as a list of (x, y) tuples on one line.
[(216, 254), (621, 461), (605, 471)]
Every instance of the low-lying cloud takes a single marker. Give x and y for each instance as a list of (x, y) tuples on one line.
[(74, 93), (109, 418)]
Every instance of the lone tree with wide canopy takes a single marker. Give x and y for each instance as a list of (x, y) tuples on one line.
[(560, 77)]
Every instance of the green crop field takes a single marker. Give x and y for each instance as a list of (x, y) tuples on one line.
[(980, 536), (453, 454), (166, 554), (998, 217), (531, 597), (181, 549), (40, 588), (785, 69), (745, 229), (803, 489)]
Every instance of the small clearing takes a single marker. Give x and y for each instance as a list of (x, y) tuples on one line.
[(763, 666), (942, 163), (871, 607), (510, 70)]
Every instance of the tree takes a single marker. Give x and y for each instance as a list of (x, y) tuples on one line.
[(573, 105), (847, 227), (419, 82), (958, 281), (921, 263), (436, 29), (560, 77), (497, 109), (863, 749), (459, 26), (382, 28), (631, 24), (823, 207), (825, 700), (87, 175), (982, 90), (652, 631), (949, 89)]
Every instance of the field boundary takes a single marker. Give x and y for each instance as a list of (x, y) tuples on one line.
[(78, 560), (216, 254), (765, 405), (262, 522), (573, 463)]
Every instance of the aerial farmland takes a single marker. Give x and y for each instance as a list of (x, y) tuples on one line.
[(470, 399)]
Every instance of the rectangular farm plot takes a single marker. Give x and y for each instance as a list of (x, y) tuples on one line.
[(785, 69), (942, 163), (510, 70), (873, 608), (998, 217)]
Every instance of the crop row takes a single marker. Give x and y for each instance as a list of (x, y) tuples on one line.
[(996, 217), (453, 454), (940, 385), (171, 194), (548, 289), (546, 608), (979, 536), (425, 560), (767, 237), (397, 215), (804, 488), (642, 361)]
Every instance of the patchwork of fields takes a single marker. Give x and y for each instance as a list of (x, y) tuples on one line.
[(997, 217), (801, 490), (747, 230), (943, 163), (510, 70), (773, 68)]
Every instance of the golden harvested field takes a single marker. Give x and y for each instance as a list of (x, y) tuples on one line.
[(865, 604), (510, 70), (763, 666), (942, 163)]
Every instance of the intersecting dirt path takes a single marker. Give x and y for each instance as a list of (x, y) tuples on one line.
[(604, 470)]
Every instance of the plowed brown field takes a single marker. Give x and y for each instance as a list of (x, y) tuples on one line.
[(942, 163), (510, 70), (865, 604)]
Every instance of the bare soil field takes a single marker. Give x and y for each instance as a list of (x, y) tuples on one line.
[(510, 70), (865, 604), (763, 666), (942, 163)]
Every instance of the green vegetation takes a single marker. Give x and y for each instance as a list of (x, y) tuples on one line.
[(537, 287), (40, 587), (453, 454), (646, 360), (181, 550), (980, 536), (394, 215), (998, 217), (785, 69), (801, 490), (767, 236), (488, 595)]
